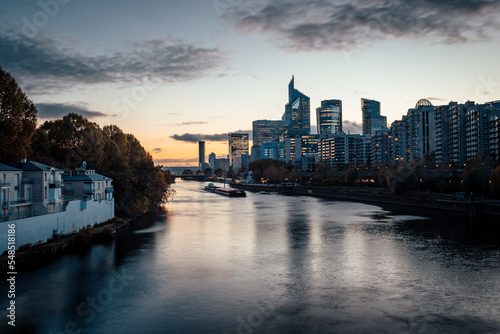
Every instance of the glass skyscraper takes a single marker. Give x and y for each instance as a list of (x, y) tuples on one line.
[(238, 145), (372, 120), (297, 111), (268, 131), (329, 117)]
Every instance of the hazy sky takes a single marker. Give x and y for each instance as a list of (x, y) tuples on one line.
[(175, 72)]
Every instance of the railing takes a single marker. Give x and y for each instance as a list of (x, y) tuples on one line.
[(4, 184), (41, 211), (56, 184), (27, 180), (21, 201)]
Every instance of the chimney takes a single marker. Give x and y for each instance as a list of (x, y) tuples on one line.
[(23, 160)]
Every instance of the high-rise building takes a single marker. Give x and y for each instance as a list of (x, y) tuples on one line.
[(201, 154), (238, 145), (269, 150), (293, 147), (211, 160), (268, 131), (372, 120), (343, 149), (329, 117), (297, 111)]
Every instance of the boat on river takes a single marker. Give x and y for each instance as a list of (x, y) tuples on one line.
[(229, 192), (211, 187)]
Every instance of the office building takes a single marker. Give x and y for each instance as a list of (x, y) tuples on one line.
[(238, 145), (372, 120), (211, 160), (345, 149), (268, 131), (329, 117), (269, 150), (201, 154), (293, 147), (297, 111)]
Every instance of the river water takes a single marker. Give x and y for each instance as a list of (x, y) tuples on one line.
[(270, 264)]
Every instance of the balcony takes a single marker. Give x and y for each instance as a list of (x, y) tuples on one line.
[(27, 180), (53, 185), (21, 201), (4, 184)]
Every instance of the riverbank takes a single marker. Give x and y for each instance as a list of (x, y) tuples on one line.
[(26, 257), (478, 208)]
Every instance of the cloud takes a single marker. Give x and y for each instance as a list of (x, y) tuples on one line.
[(194, 138), (345, 25), (42, 64), (59, 110), (190, 123), (157, 150), (351, 127), (436, 99)]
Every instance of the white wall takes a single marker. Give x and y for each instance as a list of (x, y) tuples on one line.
[(35, 229)]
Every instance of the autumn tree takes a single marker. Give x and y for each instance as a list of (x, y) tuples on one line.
[(139, 185), (17, 120)]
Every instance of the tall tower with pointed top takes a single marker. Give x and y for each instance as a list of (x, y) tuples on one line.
[(297, 111)]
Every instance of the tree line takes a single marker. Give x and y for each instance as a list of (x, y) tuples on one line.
[(66, 143)]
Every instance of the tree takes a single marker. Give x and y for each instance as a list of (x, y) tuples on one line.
[(207, 171), (476, 175), (317, 180), (17, 120), (219, 172), (402, 178), (351, 175), (187, 172), (259, 166), (73, 140), (139, 185), (495, 183)]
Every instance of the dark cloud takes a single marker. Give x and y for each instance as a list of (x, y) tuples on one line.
[(41, 64), (157, 150), (194, 138), (346, 25), (351, 127), (59, 110)]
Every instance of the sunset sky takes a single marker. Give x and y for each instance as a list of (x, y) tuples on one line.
[(175, 72)]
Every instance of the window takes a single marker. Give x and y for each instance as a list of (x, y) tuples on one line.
[(45, 176), (46, 192)]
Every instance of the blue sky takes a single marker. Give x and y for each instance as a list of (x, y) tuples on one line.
[(171, 72)]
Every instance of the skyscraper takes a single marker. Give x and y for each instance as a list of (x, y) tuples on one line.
[(238, 145), (329, 117), (201, 153), (297, 111), (268, 131), (372, 120)]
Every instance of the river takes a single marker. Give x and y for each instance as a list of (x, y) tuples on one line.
[(270, 264)]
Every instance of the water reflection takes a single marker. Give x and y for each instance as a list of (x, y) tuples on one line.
[(274, 264)]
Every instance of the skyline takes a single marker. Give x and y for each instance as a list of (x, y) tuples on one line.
[(175, 73)]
